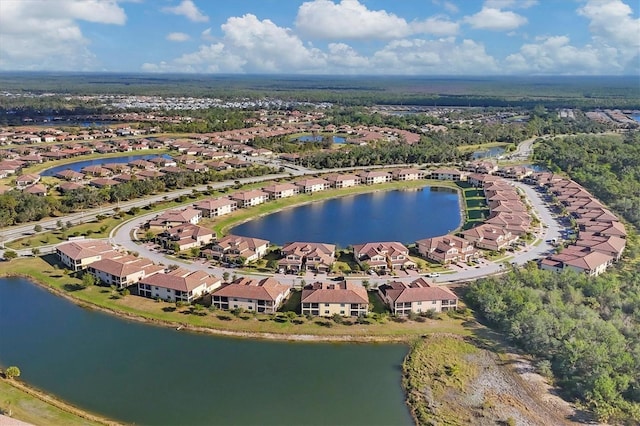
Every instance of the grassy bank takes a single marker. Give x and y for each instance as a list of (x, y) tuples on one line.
[(37, 408), (284, 326)]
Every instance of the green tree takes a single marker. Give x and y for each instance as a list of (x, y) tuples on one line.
[(225, 276), (12, 372), (10, 255), (37, 228), (88, 280)]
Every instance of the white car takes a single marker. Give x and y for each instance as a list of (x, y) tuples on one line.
[(433, 275)]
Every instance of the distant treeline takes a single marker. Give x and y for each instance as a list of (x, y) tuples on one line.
[(503, 91)]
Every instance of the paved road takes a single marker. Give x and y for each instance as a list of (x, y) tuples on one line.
[(121, 236)]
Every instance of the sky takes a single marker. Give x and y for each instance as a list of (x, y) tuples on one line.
[(333, 37)]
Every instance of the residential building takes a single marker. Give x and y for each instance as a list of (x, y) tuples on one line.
[(489, 237), (313, 185), (172, 218), (408, 174), (342, 180), (281, 190), (307, 256), (383, 256), (214, 207), (263, 296), (184, 237), (232, 247), (178, 285), (123, 271), (250, 198), (374, 177), (327, 299), (418, 297), (447, 249), (77, 255), (448, 174)]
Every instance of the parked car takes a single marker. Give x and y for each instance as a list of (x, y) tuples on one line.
[(433, 275)]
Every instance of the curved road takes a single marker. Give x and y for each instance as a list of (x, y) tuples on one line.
[(540, 248)]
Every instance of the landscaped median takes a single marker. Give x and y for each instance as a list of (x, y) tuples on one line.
[(282, 326)]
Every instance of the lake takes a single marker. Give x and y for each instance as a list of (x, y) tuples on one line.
[(496, 151), (79, 165), (143, 374), (310, 138), (398, 215)]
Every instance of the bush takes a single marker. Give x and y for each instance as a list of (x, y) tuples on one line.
[(12, 372)]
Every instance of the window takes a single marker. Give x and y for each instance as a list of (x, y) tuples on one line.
[(342, 305), (419, 303), (326, 305), (326, 312), (341, 312)]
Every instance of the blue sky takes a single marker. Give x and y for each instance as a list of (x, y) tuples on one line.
[(397, 37)]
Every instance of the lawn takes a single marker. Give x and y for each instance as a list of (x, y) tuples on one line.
[(29, 408), (474, 203), (43, 270)]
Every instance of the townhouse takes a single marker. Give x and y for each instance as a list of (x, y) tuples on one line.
[(374, 177), (448, 174), (407, 174), (172, 218), (178, 285), (281, 190), (123, 271), (300, 256), (328, 299), (250, 294), (447, 249), (234, 247), (343, 180), (419, 296), (489, 237), (383, 256), (312, 185), (214, 207), (250, 198), (184, 237), (77, 255)]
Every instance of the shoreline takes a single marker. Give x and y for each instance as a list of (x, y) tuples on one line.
[(282, 337), (58, 403)]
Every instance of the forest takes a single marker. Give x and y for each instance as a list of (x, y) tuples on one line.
[(583, 331), (500, 91)]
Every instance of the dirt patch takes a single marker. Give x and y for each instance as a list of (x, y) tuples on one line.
[(449, 380)]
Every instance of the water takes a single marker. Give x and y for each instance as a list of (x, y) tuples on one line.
[(496, 151), (636, 117), (142, 374), (79, 165), (399, 215), (310, 138)]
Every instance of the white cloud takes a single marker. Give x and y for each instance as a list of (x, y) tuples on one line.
[(493, 19), (348, 19), (206, 35), (40, 34), (443, 56), (179, 37), (188, 9), (343, 56), (611, 22), (249, 45), (555, 55), (351, 20), (438, 26)]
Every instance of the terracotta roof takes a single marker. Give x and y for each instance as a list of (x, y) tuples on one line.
[(417, 291), (181, 279), (334, 292), (250, 288), (85, 248)]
